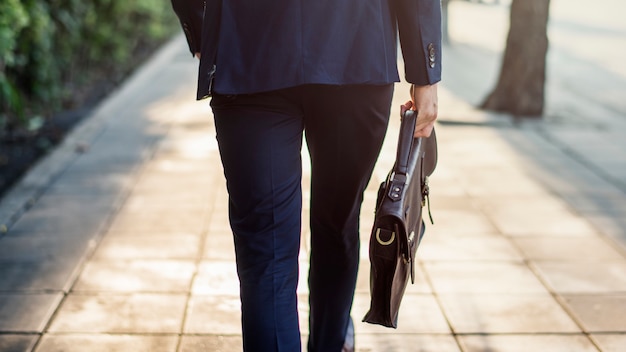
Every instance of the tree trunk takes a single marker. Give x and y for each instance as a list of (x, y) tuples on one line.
[(520, 88)]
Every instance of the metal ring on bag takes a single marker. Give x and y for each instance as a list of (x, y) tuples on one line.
[(385, 243)]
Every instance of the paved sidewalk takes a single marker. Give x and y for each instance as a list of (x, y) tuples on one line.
[(119, 240)]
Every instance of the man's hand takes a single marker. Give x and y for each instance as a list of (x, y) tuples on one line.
[(424, 100), (198, 55)]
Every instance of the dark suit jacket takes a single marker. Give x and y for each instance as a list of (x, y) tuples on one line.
[(251, 46)]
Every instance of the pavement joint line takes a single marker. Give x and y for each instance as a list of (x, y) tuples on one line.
[(572, 155), (101, 232), (561, 302), (91, 250), (555, 295), (530, 265), (435, 294), (73, 278), (189, 292), (610, 240), (208, 217), (104, 229)]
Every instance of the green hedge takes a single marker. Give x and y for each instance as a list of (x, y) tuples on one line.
[(49, 49)]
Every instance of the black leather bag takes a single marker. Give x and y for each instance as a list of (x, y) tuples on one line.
[(398, 226)]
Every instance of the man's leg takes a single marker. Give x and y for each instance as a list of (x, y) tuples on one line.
[(260, 138), (345, 127)]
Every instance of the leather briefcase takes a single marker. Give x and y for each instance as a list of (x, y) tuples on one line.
[(398, 226)]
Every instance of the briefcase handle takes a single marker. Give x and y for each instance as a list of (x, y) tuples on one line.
[(406, 147), (409, 148)]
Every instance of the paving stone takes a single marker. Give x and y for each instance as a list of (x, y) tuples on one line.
[(38, 275), (151, 202), (572, 184), (131, 137), (107, 343), (213, 343), (542, 216), (405, 343), (448, 203), (26, 312), (98, 158), (162, 180), (17, 343), (500, 180), (197, 145), (224, 313), (458, 222), (524, 343), (219, 224), (219, 244), (49, 215), (614, 226), (467, 248), (482, 277), (506, 314), (303, 313), (593, 201), (177, 245), (419, 314), (571, 181), (303, 278), (476, 150), (91, 184), (136, 276), (599, 313), (216, 278), (584, 277), (49, 246), (601, 145), (578, 249), (442, 185), (177, 165), (191, 220), (610, 342), (129, 313)]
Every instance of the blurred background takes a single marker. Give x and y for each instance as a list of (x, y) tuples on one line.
[(571, 92), (584, 60), (58, 59)]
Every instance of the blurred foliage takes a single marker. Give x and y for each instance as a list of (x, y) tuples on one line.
[(51, 49)]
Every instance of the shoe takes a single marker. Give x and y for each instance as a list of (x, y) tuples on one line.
[(348, 345)]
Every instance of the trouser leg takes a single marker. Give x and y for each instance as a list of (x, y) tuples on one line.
[(345, 127), (260, 138)]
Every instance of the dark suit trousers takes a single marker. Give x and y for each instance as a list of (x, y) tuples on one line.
[(260, 140)]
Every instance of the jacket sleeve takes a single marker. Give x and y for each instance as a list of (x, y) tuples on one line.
[(419, 26), (190, 13)]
